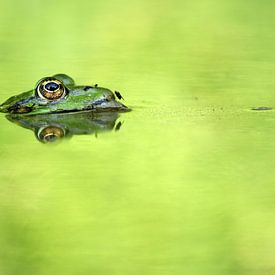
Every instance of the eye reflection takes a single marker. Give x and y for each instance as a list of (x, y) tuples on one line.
[(50, 134)]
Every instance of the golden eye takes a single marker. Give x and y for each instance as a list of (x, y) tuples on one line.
[(50, 134), (50, 89)]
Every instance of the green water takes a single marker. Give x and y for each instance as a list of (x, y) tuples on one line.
[(186, 186)]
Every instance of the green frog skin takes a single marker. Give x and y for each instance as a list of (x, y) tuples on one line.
[(59, 94)]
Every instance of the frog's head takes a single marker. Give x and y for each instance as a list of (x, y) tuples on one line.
[(59, 94)]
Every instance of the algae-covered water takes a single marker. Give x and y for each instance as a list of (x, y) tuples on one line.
[(183, 184)]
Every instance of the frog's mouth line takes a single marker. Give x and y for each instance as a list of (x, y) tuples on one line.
[(88, 109), (101, 105)]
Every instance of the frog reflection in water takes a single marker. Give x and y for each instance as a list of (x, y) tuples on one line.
[(59, 94), (50, 128)]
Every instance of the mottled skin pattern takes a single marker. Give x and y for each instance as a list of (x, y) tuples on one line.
[(77, 98)]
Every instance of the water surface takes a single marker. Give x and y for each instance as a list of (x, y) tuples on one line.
[(186, 186)]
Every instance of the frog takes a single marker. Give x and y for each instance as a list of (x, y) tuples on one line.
[(60, 94)]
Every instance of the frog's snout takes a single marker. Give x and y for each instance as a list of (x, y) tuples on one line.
[(3, 108), (7, 105), (15, 108)]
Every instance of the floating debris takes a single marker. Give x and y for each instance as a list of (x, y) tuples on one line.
[(262, 108)]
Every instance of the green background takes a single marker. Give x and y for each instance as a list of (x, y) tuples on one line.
[(187, 184)]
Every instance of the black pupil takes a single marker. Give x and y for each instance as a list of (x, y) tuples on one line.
[(51, 86)]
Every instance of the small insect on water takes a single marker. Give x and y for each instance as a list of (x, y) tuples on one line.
[(118, 95), (261, 108)]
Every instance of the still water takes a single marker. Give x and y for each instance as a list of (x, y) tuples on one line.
[(183, 184)]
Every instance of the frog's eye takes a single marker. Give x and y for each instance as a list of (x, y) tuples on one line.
[(50, 89)]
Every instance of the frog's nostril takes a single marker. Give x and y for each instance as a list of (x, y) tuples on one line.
[(51, 86)]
